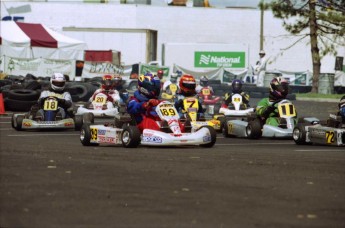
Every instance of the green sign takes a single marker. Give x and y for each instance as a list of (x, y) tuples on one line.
[(208, 59)]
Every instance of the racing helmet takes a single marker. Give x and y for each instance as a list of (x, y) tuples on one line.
[(187, 85), (160, 74), (236, 86), (57, 82), (173, 77), (203, 81), (107, 82), (117, 81), (149, 85), (279, 88)]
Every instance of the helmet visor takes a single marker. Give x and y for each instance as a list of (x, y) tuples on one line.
[(59, 83)]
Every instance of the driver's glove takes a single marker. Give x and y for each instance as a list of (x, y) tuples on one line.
[(268, 111)]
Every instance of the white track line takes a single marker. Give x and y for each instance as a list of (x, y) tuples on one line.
[(34, 135)]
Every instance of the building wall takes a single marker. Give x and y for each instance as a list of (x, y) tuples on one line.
[(180, 25)]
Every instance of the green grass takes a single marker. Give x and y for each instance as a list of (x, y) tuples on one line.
[(319, 95)]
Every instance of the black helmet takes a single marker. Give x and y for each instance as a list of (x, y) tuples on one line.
[(203, 81), (279, 88), (236, 86)]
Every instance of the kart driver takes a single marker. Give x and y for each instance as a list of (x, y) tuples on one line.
[(236, 86), (107, 88), (56, 89), (341, 106), (204, 84), (142, 104), (187, 86), (279, 89)]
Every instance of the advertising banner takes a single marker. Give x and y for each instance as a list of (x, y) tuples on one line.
[(219, 59), (94, 69), (38, 67)]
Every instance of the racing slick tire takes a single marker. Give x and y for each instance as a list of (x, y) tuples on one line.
[(299, 134), (78, 122), (253, 129), (17, 122), (130, 136), (85, 135), (88, 118), (225, 129), (213, 134)]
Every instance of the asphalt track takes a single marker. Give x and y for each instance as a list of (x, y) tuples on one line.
[(48, 179)]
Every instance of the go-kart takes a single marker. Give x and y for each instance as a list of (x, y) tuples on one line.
[(50, 120), (129, 135), (235, 110), (210, 103), (170, 93), (253, 126), (99, 107), (314, 131), (191, 104)]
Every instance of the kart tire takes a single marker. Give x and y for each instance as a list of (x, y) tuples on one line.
[(213, 134), (118, 123), (17, 124), (253, 129), (23, 95), (85, 135), (299, 134), (130, 136), (88, 118), (78, 122)]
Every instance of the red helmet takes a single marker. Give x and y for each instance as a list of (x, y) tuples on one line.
[(187, 85), (160, 74), (107, 82)]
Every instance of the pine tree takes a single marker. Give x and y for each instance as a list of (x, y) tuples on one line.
[(323, 21)]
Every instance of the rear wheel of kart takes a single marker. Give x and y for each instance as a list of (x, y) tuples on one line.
[(78, 122), (213, 135), (118, 123), (17, 124), (85, 135), (299, 134), (253, 129), (225, 129), (130, 136)]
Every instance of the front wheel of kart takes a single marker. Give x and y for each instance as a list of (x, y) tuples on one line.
[(253, 129), (299, 134), (85, 135), (130, 136), (213, 135), (17, 122)]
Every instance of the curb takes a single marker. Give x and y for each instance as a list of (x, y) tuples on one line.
[(317, 99)]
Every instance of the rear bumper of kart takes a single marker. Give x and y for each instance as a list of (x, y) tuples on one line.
[(158, 138), (61, 124), (235, 113), (98, 113)]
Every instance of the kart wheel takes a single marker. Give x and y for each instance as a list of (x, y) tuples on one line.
[(18, 123), (130, 136), (85, 135), (213, 134), (253, 129), (225, 129), (13, 122), (78, 122), (299, 134), (88, 118)]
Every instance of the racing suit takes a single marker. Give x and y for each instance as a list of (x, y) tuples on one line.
[(64, 99), (181, 108), (113, 96)]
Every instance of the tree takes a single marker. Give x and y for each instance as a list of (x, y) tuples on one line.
[(323, 21)]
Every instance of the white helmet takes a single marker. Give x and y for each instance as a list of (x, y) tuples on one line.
[(57, 82), (173, 77)]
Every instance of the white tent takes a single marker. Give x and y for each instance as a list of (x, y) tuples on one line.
[(27, 40)]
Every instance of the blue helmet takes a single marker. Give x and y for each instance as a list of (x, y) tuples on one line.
[(236, 86), (342, 107), (149, 85)]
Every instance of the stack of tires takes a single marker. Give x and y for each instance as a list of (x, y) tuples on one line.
[(21, 99)]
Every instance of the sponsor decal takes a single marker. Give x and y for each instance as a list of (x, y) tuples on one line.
[(153, 139), (27, 124), (68, 124), (103, 139), (101, 132)]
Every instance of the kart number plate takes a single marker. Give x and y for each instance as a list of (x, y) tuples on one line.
[(168, 111), (206, 92), (330, 137), (50, 105), (173, 88), (100, 99), (286, 110)]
